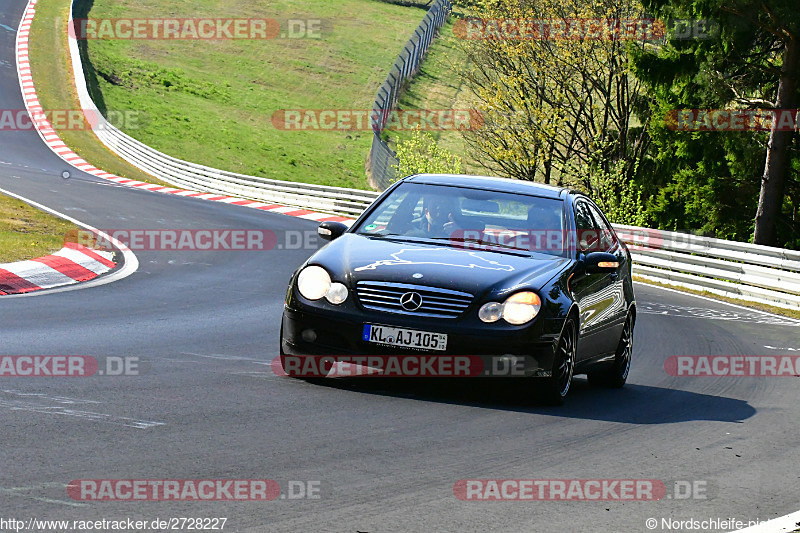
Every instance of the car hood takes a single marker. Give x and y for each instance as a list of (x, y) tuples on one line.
[(352, 258)]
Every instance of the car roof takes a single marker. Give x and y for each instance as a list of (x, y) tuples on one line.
[(489, 183)]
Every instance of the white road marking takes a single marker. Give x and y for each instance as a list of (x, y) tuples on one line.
[(86, 415), (655, 308), (42, 396), (17, 491), (13, 400), (261, 375), (222, 357), (778, 525), (721, 302)]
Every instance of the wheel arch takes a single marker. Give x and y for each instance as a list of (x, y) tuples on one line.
[(574, 312)]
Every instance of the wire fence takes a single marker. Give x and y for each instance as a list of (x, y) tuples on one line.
[(382, 159)]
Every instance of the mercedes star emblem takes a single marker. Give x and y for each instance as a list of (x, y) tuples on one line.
[(411, 301)]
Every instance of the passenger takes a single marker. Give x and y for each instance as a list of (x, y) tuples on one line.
[(545, 231)]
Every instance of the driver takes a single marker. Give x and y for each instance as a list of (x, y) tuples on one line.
[(439, 217)]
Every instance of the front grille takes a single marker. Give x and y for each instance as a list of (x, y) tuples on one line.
[(440, 303)]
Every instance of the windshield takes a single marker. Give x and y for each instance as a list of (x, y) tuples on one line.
[(469, 218)]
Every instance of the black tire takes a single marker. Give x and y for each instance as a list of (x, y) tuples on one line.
[(554, 389), (616, 373)]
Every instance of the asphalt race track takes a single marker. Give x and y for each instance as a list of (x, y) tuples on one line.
[(387, 454)]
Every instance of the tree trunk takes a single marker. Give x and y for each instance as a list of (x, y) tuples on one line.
[(548, 165), (776, 168)]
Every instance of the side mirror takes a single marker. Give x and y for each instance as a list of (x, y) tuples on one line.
[(600, 262), (331, 230)]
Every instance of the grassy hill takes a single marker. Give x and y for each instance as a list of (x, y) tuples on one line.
[(211, 102)]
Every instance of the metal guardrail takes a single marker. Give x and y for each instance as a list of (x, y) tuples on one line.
[(739, 270), (735, 269), (348, 202), (382, 160)]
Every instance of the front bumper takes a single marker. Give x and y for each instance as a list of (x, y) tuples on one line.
[(310, 330)]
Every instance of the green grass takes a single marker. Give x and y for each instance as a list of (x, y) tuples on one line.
[(52, 74), (211, 102), (26, 232)]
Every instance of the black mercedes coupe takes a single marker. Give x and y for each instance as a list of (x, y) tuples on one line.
[(451, 265)]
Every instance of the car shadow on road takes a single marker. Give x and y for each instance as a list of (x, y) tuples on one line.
[(633, 404)]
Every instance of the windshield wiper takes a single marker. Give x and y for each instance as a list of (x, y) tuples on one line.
[(395, 236), (479, 241), (505, 248), (522, 252)]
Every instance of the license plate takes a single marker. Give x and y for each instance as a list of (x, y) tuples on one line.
[(405, 338)]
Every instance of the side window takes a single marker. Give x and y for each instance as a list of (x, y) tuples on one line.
[(588, 237), (607, 238)]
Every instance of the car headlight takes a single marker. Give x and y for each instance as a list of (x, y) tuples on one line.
[(521, 308), (518, 309), (491, 312), (314, 283), (337, 293)]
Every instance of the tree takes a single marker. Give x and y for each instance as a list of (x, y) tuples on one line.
[(557, 107), (620, 200), (753, 62), (421, 154)]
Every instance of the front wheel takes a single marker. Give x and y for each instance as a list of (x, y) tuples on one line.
[(555, 388), (616, 374)]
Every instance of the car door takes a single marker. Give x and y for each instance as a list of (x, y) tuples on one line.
[(617, 307), (597, 294)]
